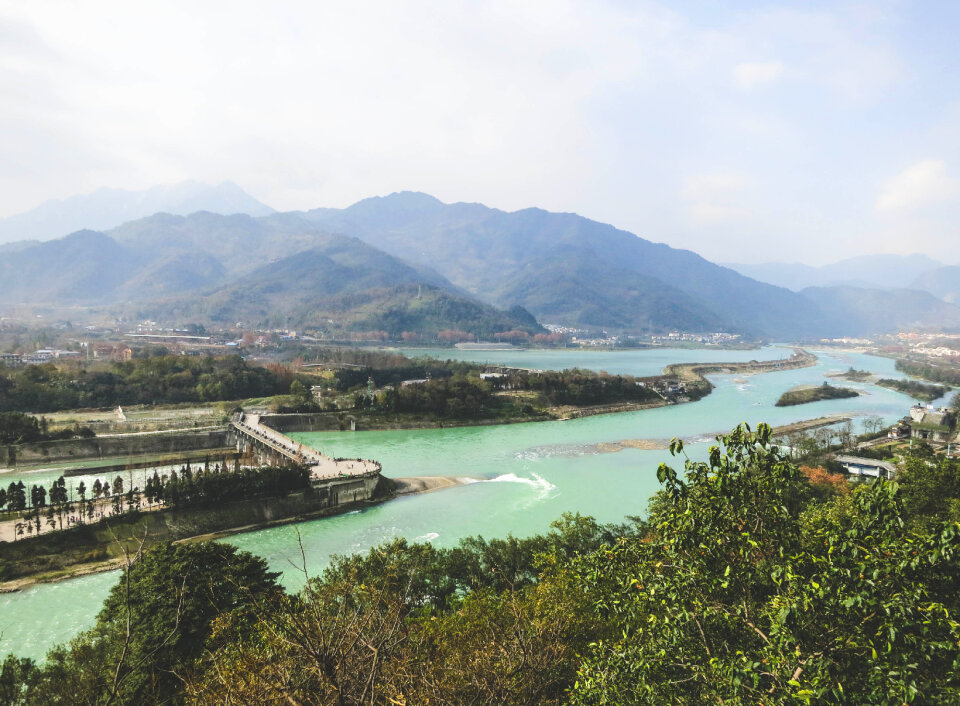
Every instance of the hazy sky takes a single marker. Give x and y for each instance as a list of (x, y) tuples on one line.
[(801, 131)]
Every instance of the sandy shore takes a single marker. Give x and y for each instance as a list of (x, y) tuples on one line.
[(425, 484)]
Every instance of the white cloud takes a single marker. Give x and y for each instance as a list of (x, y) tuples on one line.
[(752, 74), (601, 107), (922, 184)]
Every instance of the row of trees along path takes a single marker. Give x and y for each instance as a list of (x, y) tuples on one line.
[(36, 510)]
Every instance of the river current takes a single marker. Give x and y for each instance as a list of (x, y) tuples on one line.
[(522, 476)]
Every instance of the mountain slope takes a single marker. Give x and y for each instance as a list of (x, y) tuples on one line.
[(240, 242), (870, 311), (489, 253), (943, 283), (342, 285), (872, 271), (83, 267), (171, 275), (574, 288), (107, 208), (417, 264), (272, 271)]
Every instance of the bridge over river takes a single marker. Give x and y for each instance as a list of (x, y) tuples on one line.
[(273, 446)]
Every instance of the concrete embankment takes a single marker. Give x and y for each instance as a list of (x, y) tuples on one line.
[(344, 421), (100, 546), (167, 443), (97, 547)]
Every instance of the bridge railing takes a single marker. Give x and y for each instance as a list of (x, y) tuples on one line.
[(323, 467)]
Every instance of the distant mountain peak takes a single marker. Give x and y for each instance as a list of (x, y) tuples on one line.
[(109, 207), (398, 200)]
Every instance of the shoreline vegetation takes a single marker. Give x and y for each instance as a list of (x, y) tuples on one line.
[(854, 375), (336, 394), (523, 395), (924, 392), (569, 391)]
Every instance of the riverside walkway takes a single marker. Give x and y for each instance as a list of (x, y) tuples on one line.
[(251, 431)]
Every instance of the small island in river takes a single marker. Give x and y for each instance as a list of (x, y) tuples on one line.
[(917, 390), (805, 395)]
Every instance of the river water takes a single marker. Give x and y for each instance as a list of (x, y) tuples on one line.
[(523, 476)]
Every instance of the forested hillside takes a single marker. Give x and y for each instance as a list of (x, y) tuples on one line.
[(353, 269), (276, 271), (567, 268)]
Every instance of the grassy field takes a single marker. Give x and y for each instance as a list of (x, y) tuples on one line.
[(143, 418)]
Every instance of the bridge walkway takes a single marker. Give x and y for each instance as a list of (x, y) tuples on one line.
[(321, 466)]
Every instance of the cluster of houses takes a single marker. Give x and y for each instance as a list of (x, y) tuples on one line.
[(932, 424), (38, 357), (106, 351), (927, 424), (715, 338)]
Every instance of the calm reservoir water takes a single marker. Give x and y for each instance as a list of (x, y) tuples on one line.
[(524, 475)]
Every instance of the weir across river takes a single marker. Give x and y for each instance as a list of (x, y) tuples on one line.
[(274, 447)]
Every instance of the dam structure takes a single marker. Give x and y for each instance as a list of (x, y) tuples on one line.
[(337, 481), (274, 447)]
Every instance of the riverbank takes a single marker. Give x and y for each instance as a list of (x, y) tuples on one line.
[(695, 386), (105, 546), (212, 442), (121, 463), (114, 452), (607, 486), (691, 374)]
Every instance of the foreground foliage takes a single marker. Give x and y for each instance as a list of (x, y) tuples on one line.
[(740, 597), (153, 626), (750, 582)]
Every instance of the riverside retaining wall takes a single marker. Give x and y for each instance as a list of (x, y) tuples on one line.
[(101, 541), (112, 446), (319, 421)]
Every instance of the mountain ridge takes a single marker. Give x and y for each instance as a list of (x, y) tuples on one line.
[(458, 239), (943, 283), (883, 271), (107, 208), (472, 260)]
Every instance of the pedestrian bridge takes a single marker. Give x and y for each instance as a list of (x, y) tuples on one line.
[(274, 447)]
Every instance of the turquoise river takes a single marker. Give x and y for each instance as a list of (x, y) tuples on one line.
[(523, 476)]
